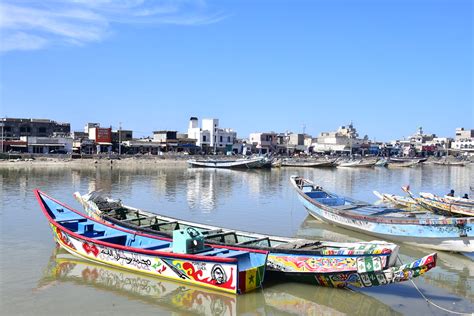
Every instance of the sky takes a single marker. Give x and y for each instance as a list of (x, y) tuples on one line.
[(389, 66)]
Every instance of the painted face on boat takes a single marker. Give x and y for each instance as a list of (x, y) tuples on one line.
[(218, 274)]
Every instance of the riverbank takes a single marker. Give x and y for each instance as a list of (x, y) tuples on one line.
[(65, 162)]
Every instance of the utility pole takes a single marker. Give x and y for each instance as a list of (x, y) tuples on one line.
[(120, 139), (3, 123)]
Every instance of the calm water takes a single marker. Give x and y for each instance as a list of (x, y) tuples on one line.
[(37, 278)]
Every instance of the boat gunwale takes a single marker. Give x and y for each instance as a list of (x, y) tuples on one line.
[(271, 250), (375, 218), (38, 194)]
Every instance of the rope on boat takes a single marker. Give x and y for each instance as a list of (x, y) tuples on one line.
[(430, 301)]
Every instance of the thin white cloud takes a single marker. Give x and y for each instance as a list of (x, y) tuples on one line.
[(30, 25)]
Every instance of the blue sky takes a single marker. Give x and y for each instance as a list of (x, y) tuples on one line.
[(389, 66)]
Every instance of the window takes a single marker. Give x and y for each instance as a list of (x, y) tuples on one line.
[(203, 138), (42, 130), (228, 139), (220, 139)]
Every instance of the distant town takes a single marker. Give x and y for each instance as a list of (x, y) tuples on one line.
[(44, 136)]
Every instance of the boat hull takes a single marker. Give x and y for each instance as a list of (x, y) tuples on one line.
[(180, 270), (446, 237), (351, 263), (259, 162)]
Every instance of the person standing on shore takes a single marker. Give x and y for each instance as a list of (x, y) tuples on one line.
[(451, 193)]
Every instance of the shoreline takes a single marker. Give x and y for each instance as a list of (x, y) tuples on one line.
[(67, 162)]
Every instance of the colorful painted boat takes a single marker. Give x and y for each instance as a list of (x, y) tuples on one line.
[(448, 205), (184, 258), (398, 200), (331, 264), (421, 229), (248, 163)]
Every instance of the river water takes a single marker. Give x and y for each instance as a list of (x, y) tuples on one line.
[(37, 278)]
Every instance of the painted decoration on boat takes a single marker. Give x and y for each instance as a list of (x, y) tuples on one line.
[(221, 275), (374, 278), (290, 263)]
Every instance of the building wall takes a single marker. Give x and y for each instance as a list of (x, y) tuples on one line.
[(14, 128)]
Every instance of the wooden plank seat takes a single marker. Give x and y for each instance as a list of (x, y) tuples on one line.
[(233, 254), (254, 241), (113, 239), (213, 252), (221, 236)]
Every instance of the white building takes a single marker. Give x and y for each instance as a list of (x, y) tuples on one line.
[(210, 136), (344, 139), (464, 140), (45, 145)]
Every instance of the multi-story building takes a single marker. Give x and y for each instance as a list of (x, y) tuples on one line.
[(14, 128), (210, 137), (264, 142), (345, 139), (464, 140)]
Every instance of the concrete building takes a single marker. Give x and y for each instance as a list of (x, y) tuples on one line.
[(48, 145), (263, 142), (345, 139), (210, 137), (14, 128), (463, 141)]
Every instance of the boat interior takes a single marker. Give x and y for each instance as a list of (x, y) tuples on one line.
[(89, 228)]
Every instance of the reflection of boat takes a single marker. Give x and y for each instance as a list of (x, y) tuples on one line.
[(248, 163), (422, 229), (382, 162), (322, 301), (64, 267), (185, 258), (326, 263)]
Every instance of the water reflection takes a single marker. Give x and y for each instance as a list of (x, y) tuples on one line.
[(293, 300)]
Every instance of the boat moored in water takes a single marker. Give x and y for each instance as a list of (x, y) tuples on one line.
[(185, 257), (323, 263), (423, 229), (245, 163)]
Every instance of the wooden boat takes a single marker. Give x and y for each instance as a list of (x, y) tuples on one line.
[(446, 204), (406, 164), (331, 264), (446, 162), (357, 164), (276, 163), (184, 258), (422, 229), (308, 163), (382, 162), (408, 159), (248, 163), (397, 200)]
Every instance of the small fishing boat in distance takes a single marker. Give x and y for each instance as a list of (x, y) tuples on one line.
[(245, 163), (421, 229), (185, 257), (331, 264)]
